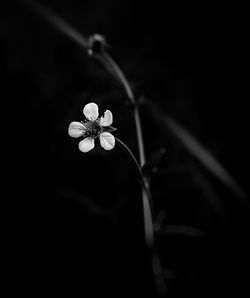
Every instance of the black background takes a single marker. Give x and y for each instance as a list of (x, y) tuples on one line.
[(74, 221)]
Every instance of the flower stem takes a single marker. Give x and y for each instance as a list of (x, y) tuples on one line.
[(138, 168), (147, 210), (114, 69)]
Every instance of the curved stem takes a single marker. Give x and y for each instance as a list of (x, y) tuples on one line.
[(115, 70), (138, 168)]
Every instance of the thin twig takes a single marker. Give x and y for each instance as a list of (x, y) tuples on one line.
[(138, 168)]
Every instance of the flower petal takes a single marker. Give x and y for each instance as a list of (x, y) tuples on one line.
[(107, 140), (87, 144), (107, 119), (91, 111), (76, 129)]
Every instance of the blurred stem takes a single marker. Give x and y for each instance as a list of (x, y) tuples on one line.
[(57, 22), (198, 151)]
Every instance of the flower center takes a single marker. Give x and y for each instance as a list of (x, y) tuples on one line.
[(93, 128)]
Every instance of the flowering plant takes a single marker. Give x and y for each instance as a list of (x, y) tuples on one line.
[(95, 127), (92, 128)]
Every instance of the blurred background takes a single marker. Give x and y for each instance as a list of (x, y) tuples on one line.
[(74, 221)]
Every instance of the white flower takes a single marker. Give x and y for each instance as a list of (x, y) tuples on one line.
[(92, 128)]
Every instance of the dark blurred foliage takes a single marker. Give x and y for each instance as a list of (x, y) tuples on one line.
[(74, 221)]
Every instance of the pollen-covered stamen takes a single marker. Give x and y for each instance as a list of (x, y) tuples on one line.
[(93, 128)]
